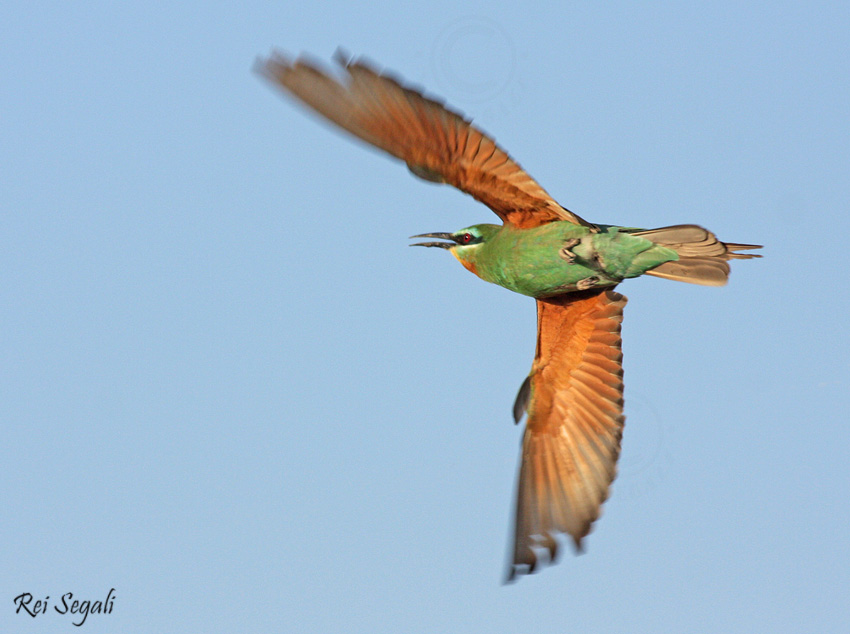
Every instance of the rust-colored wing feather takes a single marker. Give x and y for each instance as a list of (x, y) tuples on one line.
[(575, 423), (437, 144)]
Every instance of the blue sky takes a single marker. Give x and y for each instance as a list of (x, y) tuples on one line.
[(231, 391)]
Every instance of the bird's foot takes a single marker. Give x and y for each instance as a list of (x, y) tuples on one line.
[(588, 282), (565, 251)]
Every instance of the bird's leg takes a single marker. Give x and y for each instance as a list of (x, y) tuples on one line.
[(565, 252)]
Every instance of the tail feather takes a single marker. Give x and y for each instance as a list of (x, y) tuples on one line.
[(702, 257)]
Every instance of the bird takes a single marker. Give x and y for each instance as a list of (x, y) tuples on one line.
[(572, 398)]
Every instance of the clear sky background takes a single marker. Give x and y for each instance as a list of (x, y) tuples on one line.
[(231, 391)]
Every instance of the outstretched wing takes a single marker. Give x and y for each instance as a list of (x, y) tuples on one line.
[(575, 422), (437, 144)]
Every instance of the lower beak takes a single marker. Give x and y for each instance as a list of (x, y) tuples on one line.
[(441, 236)]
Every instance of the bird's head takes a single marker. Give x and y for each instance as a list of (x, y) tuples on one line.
[(465, 244)]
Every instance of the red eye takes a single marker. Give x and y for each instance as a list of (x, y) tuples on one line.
[(466, 238)]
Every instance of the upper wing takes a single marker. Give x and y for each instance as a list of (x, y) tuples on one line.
[(575, 422), (437, 144)]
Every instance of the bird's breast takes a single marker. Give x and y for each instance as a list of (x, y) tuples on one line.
[(536, 262)]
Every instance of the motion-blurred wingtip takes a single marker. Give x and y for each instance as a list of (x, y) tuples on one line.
[(342, 57)]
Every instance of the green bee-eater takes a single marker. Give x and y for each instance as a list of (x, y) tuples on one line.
[(574, 393)]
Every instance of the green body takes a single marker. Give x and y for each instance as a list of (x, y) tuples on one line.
[(558, 257)]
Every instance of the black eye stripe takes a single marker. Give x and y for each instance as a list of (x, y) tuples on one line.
[(467, 238)]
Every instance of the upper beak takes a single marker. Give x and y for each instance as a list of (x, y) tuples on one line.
[(442, 236)]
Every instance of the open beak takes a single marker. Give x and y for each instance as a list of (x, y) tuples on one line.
[(441, 236)]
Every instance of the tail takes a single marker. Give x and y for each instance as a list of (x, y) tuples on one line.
[(703, 259)]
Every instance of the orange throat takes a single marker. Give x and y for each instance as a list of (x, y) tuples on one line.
[(469, 266)]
